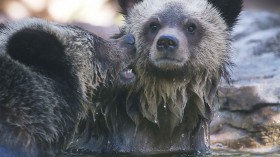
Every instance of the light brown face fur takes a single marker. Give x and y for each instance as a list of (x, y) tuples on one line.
[(200, 33), (183, 70)]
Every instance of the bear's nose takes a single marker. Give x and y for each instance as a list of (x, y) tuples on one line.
[(167, 43), (129, 39)]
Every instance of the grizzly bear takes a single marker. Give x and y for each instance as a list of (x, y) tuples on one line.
[(182, 53), (50, 75)]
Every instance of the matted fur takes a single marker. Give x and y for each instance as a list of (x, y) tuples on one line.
[(51, 75), (169, 107)]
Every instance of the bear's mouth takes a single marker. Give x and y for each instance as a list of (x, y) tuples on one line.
[(168, 63), (127, 75), (169, 60), (168, 71)]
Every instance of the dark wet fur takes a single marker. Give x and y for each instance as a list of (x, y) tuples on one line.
[(41, 84), (119, 123)]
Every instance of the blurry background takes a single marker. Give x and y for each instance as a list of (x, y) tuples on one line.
[(96, 12), (98, 16)]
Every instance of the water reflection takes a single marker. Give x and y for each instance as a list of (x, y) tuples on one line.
[(213, 154)]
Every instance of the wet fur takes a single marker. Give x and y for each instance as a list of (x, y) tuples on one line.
[(167, 109), (50, 76)]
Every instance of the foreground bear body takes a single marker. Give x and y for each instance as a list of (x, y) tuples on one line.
[(183, 51), (50, 76)]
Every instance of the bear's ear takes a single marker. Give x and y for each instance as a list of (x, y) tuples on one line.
[(229, 9), (36, 48), (127, 5)]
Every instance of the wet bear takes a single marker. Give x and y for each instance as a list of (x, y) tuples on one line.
[(182, 53), (51, 74)]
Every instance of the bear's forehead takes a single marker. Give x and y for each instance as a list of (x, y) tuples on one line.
[(200, 9), (174, 11), (150, 7)]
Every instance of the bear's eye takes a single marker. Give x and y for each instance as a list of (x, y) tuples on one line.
[(191, 28), (154, 26)]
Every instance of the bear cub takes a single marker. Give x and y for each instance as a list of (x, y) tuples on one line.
[(182, 53), (51, 75)]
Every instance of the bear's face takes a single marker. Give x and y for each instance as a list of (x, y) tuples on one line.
[(123, 49), (116, 55), (182, 51), (178, 36)]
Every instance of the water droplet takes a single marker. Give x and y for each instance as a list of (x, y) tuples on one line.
[(183, 135), (185, 80), (109, 142), (164, 106), (156, 121)]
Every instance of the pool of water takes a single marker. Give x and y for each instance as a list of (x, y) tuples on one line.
[(213, 154)]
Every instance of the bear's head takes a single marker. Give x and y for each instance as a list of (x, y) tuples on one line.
[(176, 37), (62, 51), (182, 51)]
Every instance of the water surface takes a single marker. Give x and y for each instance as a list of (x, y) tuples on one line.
[(213, 154)]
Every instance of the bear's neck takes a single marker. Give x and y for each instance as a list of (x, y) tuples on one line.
[(179, 98), (156, 93)]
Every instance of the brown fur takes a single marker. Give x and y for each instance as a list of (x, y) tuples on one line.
[(170, 105), (196, 85), (51, 75)]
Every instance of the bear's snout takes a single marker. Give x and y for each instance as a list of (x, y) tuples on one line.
[(167, 43)]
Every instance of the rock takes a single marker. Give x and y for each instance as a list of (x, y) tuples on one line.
[(249, 114)]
